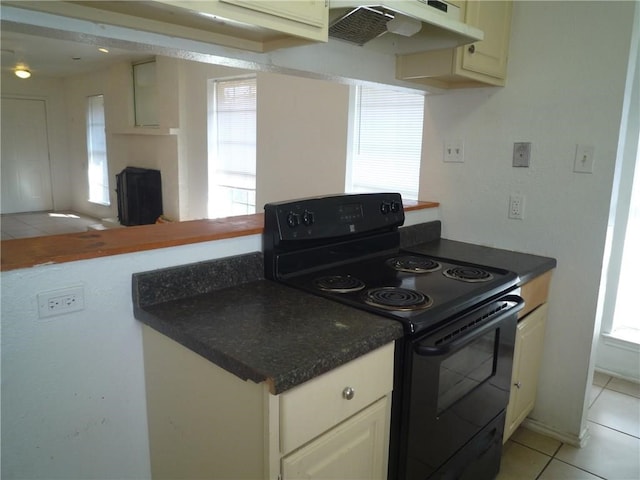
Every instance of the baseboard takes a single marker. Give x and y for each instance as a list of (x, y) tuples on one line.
[(576, 441)]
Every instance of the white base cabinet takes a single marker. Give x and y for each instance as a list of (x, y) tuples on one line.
[(527, 353), (205, 422), (348, 451)]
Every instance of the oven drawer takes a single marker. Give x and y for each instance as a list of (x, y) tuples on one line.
[(318, 405)]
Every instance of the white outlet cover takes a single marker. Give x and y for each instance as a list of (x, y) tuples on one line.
[(516, 207), (45, 300)]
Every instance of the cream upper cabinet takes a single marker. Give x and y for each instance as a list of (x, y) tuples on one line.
[(207, 423), (527, 352), (309, 12), (478, 64), (254, 25)]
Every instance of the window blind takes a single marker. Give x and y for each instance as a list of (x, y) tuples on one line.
[(98, 168), (233, 168), (386, 141)]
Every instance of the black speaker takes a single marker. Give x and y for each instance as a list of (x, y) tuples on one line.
[(139, 192)]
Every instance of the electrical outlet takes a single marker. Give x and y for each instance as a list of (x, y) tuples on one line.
[(60, 302), (516, 207), (453, 151)]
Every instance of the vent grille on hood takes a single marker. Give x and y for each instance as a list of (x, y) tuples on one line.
[(361, 25)]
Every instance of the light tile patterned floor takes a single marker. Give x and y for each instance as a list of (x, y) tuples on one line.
[(36, 224), (612, 451)]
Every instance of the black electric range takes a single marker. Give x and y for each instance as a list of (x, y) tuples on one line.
[(452, 369)]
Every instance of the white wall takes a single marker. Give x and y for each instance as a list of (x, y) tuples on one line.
[(302, 137), (566, 77), (73, 401)]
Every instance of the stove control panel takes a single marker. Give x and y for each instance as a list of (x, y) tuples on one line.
[(333, 216)]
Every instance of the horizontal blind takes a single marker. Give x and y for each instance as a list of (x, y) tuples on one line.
[(236, 125), (232, 187), (98, 167), (387, 143)]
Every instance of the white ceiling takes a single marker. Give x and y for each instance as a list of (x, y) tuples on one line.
[(57, 58)]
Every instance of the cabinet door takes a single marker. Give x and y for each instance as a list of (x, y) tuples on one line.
[(355, 449), (310, 12), (526, 366), (489, 56)]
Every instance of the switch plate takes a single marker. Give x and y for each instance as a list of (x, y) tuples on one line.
[(521, 154), (583, 162), (453, 151), (516, 207), (60, 302)]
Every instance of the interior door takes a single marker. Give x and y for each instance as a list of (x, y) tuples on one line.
[(26, 175)]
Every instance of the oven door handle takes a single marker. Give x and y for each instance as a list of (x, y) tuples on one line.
[(462, 339)]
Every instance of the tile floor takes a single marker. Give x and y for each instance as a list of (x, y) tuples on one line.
[(612, 452), (36, 224)]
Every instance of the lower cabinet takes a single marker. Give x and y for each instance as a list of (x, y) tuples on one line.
[(205, 422), (527, 353), (526, 365), (345, 451)]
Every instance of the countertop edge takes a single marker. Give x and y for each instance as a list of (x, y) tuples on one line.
[(54, 249)]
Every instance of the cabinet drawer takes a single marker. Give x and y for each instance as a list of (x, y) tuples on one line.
[(316, 406), (535, 293)]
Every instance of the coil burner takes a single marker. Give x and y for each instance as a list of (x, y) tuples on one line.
[(413, 264), (468, 274), (339, 283), (396, 298)]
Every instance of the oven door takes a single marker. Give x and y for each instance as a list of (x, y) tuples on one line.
[(456, 388)]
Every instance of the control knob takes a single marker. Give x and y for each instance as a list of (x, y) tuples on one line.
[(293, 219), (385, 208), (395, 207), (307, 218)]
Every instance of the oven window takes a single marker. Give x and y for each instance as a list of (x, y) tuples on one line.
[(465, 369)]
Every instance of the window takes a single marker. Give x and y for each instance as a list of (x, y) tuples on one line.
[(626, 321), (232, 147), (386, 142), (98, 171)]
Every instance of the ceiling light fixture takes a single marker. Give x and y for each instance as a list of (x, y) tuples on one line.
[(103, 50), (22, 72)]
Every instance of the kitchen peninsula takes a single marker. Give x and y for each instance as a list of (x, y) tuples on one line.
[(293, 347)]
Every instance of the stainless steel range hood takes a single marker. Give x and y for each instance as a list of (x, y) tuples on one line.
[(400, 26)]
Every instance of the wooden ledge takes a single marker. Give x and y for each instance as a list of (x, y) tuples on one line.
[(35, 251)]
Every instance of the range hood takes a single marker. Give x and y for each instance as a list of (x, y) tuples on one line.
[(400, 26)]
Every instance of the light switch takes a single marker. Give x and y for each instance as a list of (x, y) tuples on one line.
[(453, 151), (583, 162)]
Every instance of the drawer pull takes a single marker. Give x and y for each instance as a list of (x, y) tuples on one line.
[(348, 393)]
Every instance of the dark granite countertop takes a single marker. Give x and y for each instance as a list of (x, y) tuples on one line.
[(263, 331), (527, 266), (255, 328)]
